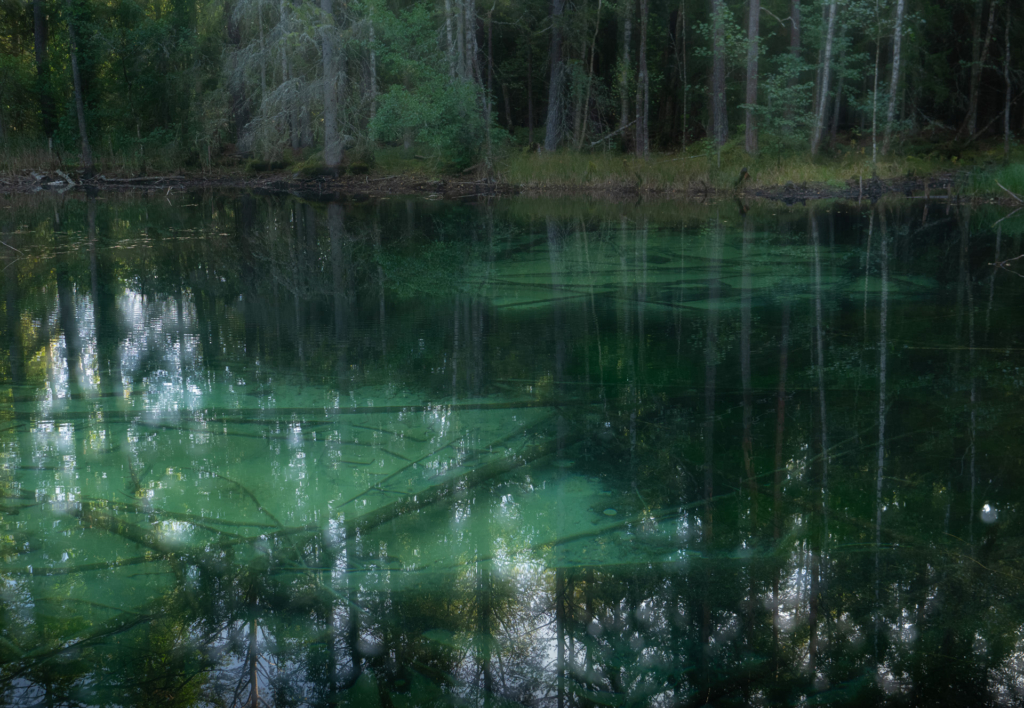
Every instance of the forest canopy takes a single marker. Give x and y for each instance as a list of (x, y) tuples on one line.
[(197, 83)]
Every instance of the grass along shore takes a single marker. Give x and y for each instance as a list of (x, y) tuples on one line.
[(975, 172)]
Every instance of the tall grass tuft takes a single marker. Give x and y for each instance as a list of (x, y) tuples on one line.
[(691, 171)]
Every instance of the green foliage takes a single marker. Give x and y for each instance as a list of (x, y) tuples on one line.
[(18, 115), (442, 114)]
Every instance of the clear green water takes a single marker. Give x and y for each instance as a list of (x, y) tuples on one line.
[(541, 453)]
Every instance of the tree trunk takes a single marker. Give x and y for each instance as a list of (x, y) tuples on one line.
[(449, 32), (529, 87), (643, 88), (87, 166), (1009, 85), (553, 126), (826, 71), (683, 73), (971, 122), (472, 49), (332, 142), (290, 113), (719, 114), (460, 38), (745, 377), (489, 96), (627, 40), (874, 94), (753, 32), (890, 115), (373, 69), (42, 36), (833, 133), (794, 43), (590, 78)]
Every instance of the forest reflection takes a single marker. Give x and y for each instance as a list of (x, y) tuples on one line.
[(268, 451)]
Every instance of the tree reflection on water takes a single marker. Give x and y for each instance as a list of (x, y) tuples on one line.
[(262, 451)]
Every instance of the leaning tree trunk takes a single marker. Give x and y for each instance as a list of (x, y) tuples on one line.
[(643, 88), (553, 127), (826, 70), (76, 78), (753, 32), (332, 142), (719, 115), (894, 82)]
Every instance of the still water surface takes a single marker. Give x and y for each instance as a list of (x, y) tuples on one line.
[(262, 451)]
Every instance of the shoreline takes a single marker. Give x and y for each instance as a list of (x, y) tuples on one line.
[(939, 187)]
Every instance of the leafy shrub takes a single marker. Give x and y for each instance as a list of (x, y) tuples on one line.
[(442, 114)]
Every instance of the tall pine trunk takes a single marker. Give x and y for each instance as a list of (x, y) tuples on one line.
[(76, 78), (643, 88), (719, 114), (894, 82), (753, 32), (826, 75), (553, 126)]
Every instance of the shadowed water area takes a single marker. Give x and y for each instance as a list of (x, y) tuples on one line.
[(263, 451)]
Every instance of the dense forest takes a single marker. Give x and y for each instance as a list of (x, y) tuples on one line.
[(210, 82)]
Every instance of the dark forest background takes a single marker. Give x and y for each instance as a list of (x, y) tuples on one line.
[(206, 82)]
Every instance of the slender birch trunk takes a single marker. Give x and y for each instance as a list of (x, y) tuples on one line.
[(753, 48), (894, 82), (76, 78), (826, 71)]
